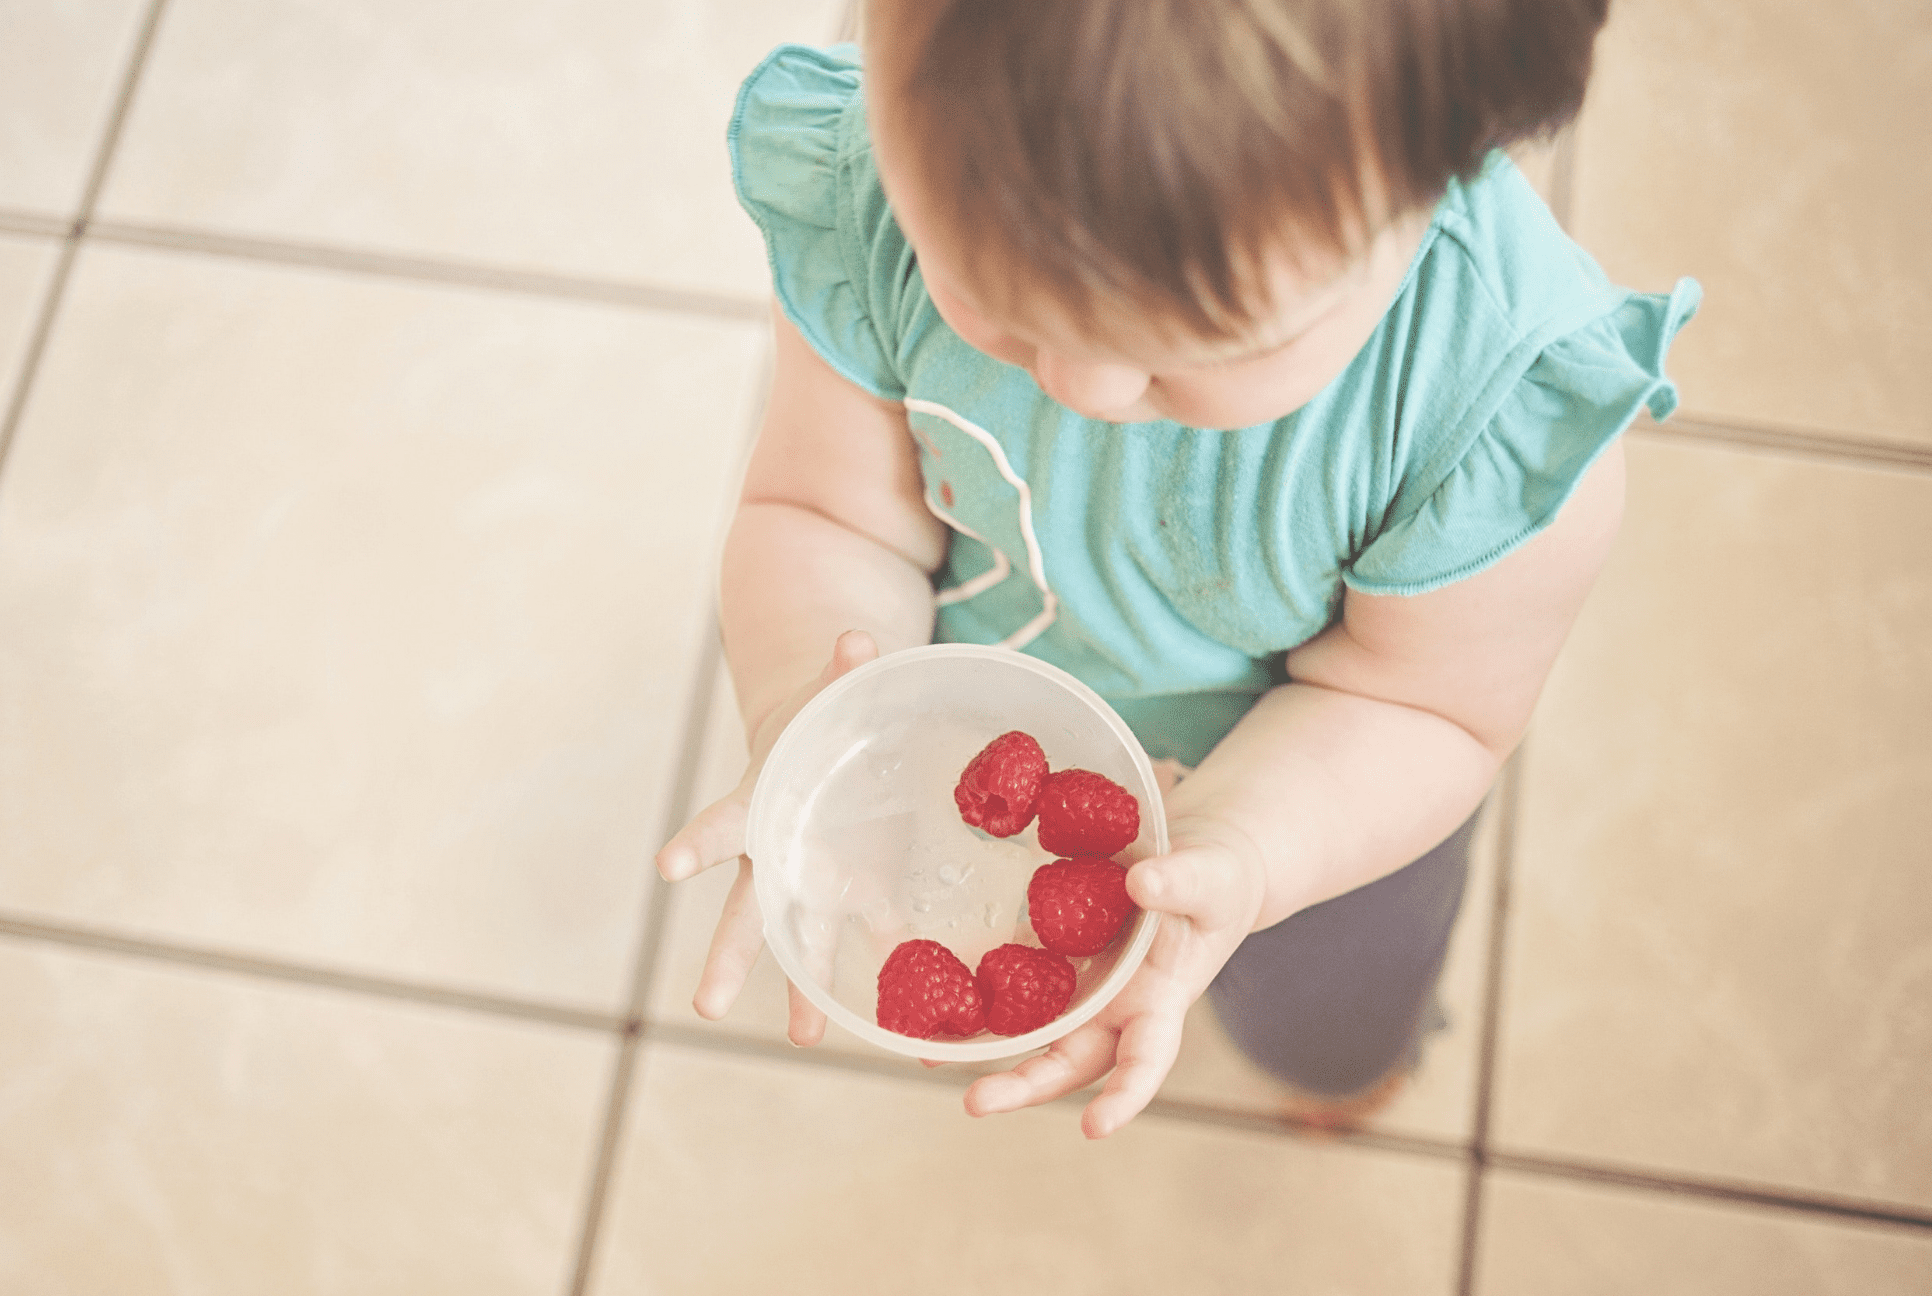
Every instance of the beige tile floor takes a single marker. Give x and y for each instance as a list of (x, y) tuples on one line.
[(374, 377)]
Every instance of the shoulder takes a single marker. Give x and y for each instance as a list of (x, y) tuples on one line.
[(1512, 365), (801, 160), (1496, 235), (788, 128)]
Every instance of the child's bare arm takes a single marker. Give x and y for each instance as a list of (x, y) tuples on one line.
[(831, 536), (831, 532), (1400, 714), (1396, 723)]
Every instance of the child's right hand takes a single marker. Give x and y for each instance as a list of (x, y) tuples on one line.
[(717, 834)]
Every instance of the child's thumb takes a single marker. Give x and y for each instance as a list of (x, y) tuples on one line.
[(1198, 882), (852, 649)]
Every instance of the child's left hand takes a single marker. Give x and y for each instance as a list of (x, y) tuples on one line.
[(1393, 725), (1208, 890)]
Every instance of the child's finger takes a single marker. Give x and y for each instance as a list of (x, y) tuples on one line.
[(853, 648), (1149, 1043), (714, 835), (734, 949), (815, 946), (1202, 883), (850, 650), (1075, 1061), (806, 1026)]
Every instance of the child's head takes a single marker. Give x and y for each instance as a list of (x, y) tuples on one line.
[(1195, 209)]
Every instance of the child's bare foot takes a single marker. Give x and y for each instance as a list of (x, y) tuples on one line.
[(1329, 1115)]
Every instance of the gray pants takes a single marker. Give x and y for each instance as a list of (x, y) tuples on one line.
[(1334, 998)]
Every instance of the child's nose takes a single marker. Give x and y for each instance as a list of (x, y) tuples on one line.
[(1095, 390)]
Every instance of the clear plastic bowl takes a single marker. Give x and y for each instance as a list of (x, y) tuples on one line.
[(857, 844)]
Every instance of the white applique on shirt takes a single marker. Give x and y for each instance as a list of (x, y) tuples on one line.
[(1002, 568)]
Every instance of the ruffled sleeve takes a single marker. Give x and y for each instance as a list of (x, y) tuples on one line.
[(1578, 393), (789, 145)]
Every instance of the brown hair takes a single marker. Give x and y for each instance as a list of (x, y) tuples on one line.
[(1151, 153)]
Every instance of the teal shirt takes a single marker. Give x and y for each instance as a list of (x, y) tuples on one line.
[(1168, 566)]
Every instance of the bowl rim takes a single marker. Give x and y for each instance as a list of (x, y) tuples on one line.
[(957, 1050)]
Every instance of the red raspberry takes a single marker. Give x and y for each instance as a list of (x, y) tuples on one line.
[(1023, 988), (997, 791), (924, 990), (1078, 905), (1084, 813)]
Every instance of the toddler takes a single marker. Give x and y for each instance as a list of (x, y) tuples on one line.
[(1213, 351)]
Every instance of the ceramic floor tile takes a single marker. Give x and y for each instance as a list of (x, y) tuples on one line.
[(171, 1132), (1720, 948), (355, 620), (61, 65), (1439, 1101), (833, 1182), (1541, 1236), (25, 264), (585, 137), (1776, 152)]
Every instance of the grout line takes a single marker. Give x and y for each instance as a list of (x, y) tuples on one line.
[(1507, 805), (433, 270), (1845, 1208), (25, 222), (73, 231), (117, 117), (301, 974), (1789, 441), (29, 366), (677, 809), (615, 1102)]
